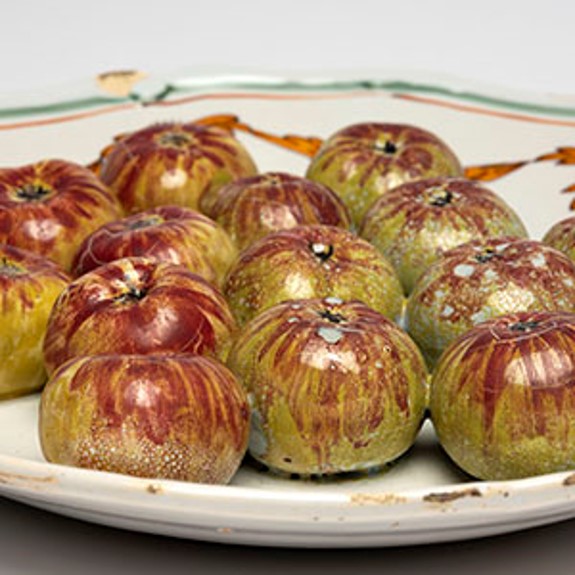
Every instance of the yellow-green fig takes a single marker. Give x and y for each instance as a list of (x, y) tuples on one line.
[(311, 262), (29, 284), (482, 279), (413, 224), (181, 417), (172, 163), (503, 396), (363, 161), (333, 386)]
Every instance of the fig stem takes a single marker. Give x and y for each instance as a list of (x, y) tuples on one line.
[(332, 317), (133, 293), (32, 192), (175, 139), (524, 325), (388, 147), (487, 255), (321, 251), (441, 198)]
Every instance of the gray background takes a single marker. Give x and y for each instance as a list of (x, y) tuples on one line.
[(523, 45)]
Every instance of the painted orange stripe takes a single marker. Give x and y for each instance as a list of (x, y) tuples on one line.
[(484, 111), (264, 96), (68, 118), (254, 96), (180, 101)]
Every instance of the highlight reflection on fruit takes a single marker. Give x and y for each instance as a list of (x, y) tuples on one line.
[(251, 208), (503, 396), (363, 161), (138, 306), (179, 417), (413, 224), (334, 386), (29, 285), (311, 262), (172, 163), (49, 208), (167, 233), (483, 279)]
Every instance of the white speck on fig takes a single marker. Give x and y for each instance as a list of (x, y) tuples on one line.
[(463, 270), (480, 316), (447, 311), (490, 274), (332, 300), (538, 261), (330, 334)]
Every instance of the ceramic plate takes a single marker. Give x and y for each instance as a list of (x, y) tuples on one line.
[(521, 144)]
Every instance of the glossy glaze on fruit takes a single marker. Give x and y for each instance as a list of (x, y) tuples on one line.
[(482, 279), (172, 163), (167, 233), (51, 206), (308, 262), (334, 386), (138, 306), (251, 208), (416, 222), (178, 417), (363, 161), (29, 286), (503, 396)]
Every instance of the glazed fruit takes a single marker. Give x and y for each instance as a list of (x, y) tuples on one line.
[(483, 279), (172, 163), (363, 161), (29, 285), (311, 262), (334, 387), (503, 399), (413, 224), (251, 208), (181, 417), (561, 236), (168, 234), (50, 207), (138, 306)]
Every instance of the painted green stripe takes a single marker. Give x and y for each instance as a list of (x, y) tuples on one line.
[(397, 86), (60, 107), (390, 86)]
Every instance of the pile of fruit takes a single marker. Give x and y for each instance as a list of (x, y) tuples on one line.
[(177, 309)]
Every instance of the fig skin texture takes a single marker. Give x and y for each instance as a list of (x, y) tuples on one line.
[(250, 208), (312, 262), (503, 397), (561, 236), (482, 279), (49, 207), (333, 386), (180, 417), (138, 306), (363, 161), (413, 224), (166, 233), (29, 284), (172, 163)]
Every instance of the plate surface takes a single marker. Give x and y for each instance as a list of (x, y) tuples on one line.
[(521, 144)]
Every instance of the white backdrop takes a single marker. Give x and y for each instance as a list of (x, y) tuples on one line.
[(523, 44)]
